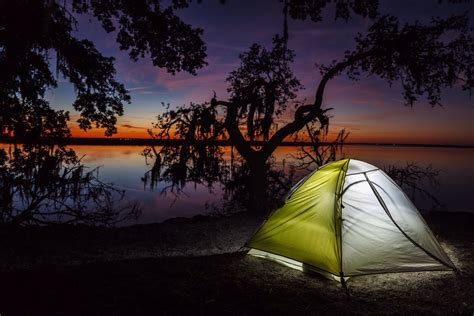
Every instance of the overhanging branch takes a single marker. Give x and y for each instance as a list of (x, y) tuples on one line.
[(307, 113)]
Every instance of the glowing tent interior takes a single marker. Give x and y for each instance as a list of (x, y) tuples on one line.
[(349, 218)]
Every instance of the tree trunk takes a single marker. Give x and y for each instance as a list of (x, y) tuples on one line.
[(258, 185)]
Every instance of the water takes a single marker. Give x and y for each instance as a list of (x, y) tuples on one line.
[(124, 166)]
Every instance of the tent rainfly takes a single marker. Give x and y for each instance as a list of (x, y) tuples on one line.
[(348, 218)]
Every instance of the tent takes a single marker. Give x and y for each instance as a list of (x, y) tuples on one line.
[(348, 218)]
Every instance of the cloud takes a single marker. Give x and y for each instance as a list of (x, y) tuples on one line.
[(132, 126), (138, 88), (369, 107), (145, 90)]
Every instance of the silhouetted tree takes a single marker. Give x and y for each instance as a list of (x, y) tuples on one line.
[(424, 57), (41, 182), (33, 33), (320, 151), (197, 159), (237, 187), (45, 184)]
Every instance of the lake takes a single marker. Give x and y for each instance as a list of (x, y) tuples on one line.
[(124, 166)]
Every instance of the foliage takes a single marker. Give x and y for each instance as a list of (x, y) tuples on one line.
[(34, 33), (237, 188), (42, 183), (263, 86), (48, 184), (150, 28), (303, 9), (321, 151), (198, 158), (424, 57)]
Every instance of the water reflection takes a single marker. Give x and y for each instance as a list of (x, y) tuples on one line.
[(124, 166)]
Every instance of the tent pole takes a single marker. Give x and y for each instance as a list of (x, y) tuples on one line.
[(341, 206), (344, 285), (384, 207)]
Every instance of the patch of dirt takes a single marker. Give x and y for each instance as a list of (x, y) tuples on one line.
[(193, 267)]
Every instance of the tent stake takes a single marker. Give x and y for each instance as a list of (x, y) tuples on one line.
[(344, 285)]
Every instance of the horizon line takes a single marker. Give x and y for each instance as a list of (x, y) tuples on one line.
[(149, 141)]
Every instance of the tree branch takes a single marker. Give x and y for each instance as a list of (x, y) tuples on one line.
[(232, 127), (310, 112)]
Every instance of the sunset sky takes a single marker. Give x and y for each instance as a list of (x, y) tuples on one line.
[(369, 109)]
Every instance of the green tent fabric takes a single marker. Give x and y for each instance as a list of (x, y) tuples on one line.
[(348, 218)]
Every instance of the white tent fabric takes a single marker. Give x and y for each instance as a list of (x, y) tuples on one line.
[(371, 226), (382, 231)]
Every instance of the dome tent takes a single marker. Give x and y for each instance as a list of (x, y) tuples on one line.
[(349, 218)]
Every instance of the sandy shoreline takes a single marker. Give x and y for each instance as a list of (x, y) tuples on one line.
[(178, 237), (183, 263)]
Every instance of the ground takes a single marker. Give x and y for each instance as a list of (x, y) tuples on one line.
[(196, 266)]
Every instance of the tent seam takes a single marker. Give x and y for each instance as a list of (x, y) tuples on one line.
[(401, 271), (362, 172), (451, 265), (349, 275), (338, 202), (270, 214), (382, 203)]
